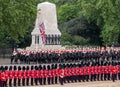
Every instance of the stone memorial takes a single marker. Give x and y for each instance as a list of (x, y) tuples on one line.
[(46, 34)]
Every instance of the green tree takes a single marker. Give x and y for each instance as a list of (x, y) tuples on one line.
[(16, 17)]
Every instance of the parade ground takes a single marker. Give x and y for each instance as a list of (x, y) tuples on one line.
[(85, 84)]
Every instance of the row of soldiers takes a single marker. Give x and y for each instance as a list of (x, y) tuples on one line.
[(88, 55), (54, 73)]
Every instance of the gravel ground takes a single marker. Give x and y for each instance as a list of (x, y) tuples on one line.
[(85, 84)]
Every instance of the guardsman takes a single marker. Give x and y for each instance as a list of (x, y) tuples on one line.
[(24, 75), (80, 74), (119, 71), (92, 72), (61, 79), (56, 73), (15, 75), (0, 75), (113, 73), (11, 76), (37, 75), (36, 78), (3, 78), (19, 75), (88, 73), (45, 75), (28, 76), (40, 77), (32, 75), (6, 74)]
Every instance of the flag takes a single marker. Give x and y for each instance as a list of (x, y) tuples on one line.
[(42, 31)]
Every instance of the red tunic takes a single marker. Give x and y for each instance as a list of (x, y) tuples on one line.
[(81, 71), (11, 74), (28, 73), (20, 74), (37, 74), (77, 71), (16, 74), (7, 74), (84, 71), (45, 73), (32, 73), (3, 76)]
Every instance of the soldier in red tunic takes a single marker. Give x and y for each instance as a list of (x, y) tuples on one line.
[(32, 75), (15, 75), (3, 78), (61, 79), (0, 75), (113, 73), (6, 74), (40, 74), (45, 73), (28, 75), (11, 75), (19, 75)]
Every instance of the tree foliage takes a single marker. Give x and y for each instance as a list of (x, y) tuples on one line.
[(81, 22)]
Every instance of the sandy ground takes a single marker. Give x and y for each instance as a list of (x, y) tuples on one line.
[(85, 84)]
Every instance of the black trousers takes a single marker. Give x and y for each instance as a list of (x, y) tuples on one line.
[(40, 81), (10, 82), (15, 80), (61, 80), (44, 81), (56, 80), (19, 81), (32, 81), (23, 81), (113, 77), (49, 80), (27, 81)]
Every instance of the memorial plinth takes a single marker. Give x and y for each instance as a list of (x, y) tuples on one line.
[(46, 34)]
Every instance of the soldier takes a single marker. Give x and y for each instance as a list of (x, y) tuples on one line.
[(3, 78), (15, 75), (45, 75), (48, 80), (19, 75), (61, 79), (56, 73), (14, 54), (6, 74), (11, 75), (40, 75), (0, 75), (113, 73), (36, 79), (24, 75), (32, 75), (28, 76)]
